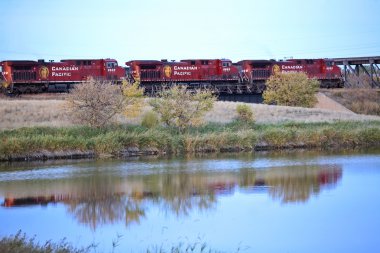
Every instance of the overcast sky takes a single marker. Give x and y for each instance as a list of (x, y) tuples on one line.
[(175, 29)]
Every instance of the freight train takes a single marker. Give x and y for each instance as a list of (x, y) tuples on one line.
[(221, 75)]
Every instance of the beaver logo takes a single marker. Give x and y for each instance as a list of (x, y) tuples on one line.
[(276, 69), (168, 71), (44, 72)]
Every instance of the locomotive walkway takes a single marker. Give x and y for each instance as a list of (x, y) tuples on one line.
[(357, 65)]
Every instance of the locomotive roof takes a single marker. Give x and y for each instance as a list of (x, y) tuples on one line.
[(256, 61), (108, 59), (145, 61), (21, 61), (205, 59), (172, 61)]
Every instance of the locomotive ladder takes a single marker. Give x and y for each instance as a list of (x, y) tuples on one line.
[(356, 67)]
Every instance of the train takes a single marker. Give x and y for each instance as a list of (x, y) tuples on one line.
[(221, 75)]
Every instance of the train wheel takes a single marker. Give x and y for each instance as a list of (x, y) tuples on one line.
[(260, 87), (16, 92)]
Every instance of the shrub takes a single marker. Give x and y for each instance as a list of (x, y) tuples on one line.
[(150, 120), (245, 113), (182, 108), (96, 102), (291, 89), (133, 98)]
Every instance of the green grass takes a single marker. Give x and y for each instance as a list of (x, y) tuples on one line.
[(208, 138), (20, 243)]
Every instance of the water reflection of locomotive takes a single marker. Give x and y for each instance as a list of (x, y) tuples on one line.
[(289, 184), (247, 76)]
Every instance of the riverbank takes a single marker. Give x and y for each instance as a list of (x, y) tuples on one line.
[(43, 143), (49, 110), (21, 243)]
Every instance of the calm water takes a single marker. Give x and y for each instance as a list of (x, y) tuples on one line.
[(299, 202)]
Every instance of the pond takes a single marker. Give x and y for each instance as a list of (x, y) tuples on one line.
[(284, 202)]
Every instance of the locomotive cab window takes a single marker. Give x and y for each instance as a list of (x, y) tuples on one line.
[(226, 64), (204, 62), (111, 65)]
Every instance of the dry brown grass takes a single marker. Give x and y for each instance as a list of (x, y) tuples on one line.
[(24, 113), (224, 112), (362, 101), (49, 111)]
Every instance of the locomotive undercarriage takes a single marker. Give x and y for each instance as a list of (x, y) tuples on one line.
[(333, 83), (152, 88), (24, 88), (42, 87), (30, 88)]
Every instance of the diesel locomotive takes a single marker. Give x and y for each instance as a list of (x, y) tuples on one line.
[(221, 75), (40, 76)]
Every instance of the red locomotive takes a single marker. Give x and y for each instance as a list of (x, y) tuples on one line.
[(221, 75), (256, 72), (40, 76)]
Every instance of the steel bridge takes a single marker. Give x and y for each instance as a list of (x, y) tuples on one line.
[(360, 71)]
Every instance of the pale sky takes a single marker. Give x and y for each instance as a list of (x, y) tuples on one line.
[(175, 29)]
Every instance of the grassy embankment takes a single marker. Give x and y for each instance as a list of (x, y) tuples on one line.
[(46, 142), (20, 243), (362, 101)]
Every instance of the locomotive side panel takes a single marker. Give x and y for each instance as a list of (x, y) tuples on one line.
[(41, 76), (184, 71)]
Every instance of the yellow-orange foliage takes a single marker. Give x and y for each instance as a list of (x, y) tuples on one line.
[(291, 89)]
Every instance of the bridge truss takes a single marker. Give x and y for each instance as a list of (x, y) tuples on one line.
[(357, 67)]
